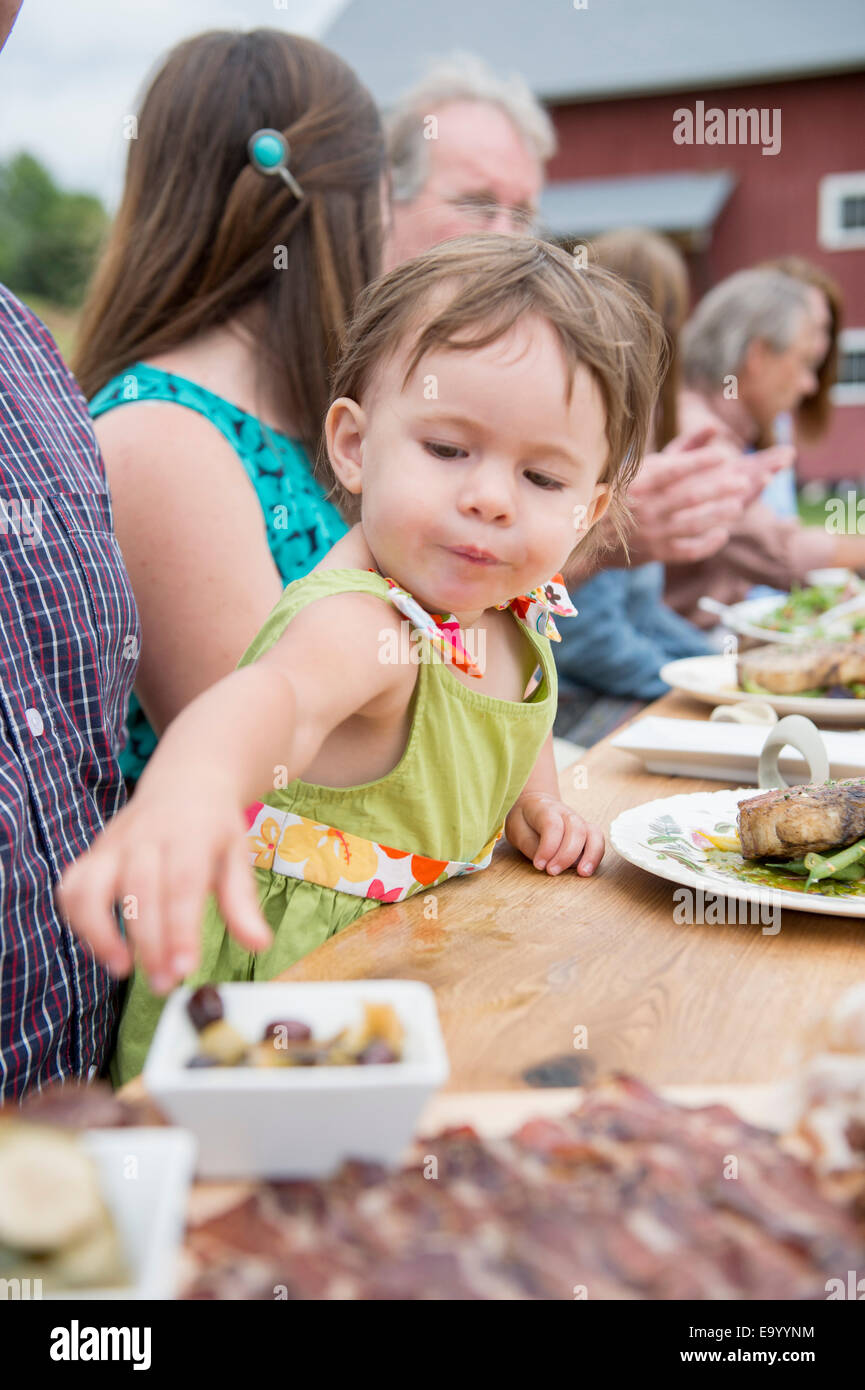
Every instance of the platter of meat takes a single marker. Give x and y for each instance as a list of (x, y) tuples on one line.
[(612, 1191), (626, 1196), (801, 848)]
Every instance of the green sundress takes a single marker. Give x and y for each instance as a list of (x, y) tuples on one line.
[(437, 813)]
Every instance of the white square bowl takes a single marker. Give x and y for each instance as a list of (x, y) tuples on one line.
[(298, 1121), (144, 1178)]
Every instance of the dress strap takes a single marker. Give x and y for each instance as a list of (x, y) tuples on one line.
[(535, 609), (297, 847)]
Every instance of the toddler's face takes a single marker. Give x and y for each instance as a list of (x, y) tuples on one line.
[(478, 477)]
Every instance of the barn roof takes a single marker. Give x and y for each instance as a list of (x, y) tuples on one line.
[(612, 48)]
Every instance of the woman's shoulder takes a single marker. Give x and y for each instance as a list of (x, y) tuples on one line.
[(147, 382)]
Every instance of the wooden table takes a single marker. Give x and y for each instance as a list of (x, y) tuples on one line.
[(519, 960)]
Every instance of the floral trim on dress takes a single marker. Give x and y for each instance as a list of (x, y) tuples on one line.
[(538, 607), (535, 609), (293, 845)]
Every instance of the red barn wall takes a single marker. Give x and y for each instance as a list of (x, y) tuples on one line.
[(773, 208)]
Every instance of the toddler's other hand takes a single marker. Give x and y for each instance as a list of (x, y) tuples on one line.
[(552, 835)]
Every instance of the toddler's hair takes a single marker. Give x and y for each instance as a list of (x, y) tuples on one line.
[(469, 292)]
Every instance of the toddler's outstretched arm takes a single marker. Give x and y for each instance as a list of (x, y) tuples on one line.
[(181, 836), (548, 831)]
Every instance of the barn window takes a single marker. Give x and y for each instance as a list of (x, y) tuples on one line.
[(841, 217), (850, 387)]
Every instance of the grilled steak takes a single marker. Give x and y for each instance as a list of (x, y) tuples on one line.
[(785, 670), (787, 824)]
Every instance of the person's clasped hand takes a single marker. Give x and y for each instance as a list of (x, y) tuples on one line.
[(685, 499)]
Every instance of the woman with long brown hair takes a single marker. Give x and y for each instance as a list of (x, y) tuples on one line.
[(250, 221)]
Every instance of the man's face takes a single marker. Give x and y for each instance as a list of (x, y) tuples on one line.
[(8, 11), (481, 176)]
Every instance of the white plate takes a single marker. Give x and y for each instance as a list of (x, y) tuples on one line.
[(728, 752), (754, 610), (663, 837), (712, 679), (144, 1176)]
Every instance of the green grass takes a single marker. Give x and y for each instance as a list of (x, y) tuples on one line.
[(61, 322)]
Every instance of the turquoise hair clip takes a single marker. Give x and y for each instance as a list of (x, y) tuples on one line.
[(268, 153)]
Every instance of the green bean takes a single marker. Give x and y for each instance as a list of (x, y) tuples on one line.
[(851, 873), (821, 868)]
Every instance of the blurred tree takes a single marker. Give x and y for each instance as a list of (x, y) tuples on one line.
[(49, 239)]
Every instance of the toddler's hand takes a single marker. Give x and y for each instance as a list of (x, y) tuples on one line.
[(552, 835), (159, 859)]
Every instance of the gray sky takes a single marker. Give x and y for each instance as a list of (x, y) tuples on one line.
[(72, 69)]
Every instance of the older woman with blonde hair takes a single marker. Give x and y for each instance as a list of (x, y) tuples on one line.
[(751, 352)]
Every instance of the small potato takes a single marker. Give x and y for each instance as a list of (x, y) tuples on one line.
[(264, 1054), (222, 1042)]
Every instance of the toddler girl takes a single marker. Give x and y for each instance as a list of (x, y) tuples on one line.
[(491, 402)]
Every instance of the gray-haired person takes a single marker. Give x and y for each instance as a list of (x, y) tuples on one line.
[(750, 353), (467, 150)]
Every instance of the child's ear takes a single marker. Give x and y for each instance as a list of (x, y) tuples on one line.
[(344, 429), (600, 501)]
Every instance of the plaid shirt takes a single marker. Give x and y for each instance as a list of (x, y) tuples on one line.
[(69, 640)]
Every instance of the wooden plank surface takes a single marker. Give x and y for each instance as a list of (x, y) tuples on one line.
[(519, 960)]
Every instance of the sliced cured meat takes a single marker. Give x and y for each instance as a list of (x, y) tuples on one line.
[(630, 1197)]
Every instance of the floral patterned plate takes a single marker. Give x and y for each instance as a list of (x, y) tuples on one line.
[(668, 837)]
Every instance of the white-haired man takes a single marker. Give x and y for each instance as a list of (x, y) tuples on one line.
[(467, 150)]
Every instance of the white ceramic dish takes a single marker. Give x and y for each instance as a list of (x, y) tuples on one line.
[(298, 1121), (712, 679), (145, 1176), (664, 837), (728, 752), (755, 610)]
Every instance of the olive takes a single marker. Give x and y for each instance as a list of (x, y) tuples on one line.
[(284, 1030), (204, 1006), (376, 1052)]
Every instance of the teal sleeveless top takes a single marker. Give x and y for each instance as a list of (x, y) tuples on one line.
[(301, 524)]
